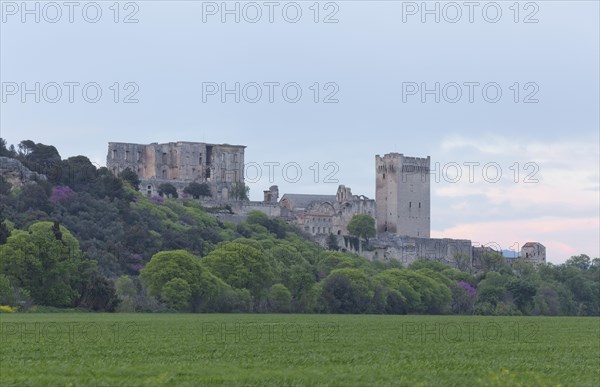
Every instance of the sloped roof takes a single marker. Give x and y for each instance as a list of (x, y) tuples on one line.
[(298, 201)]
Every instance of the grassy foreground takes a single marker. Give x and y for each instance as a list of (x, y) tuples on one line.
[(195, 349)]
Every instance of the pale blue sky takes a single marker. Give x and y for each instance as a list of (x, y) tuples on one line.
[(369, 54)]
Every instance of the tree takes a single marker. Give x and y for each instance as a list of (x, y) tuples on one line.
[(279, 298), (331, 260), (463, 297), (362, 226), (12, 296), (38, 157), (348, 291), (275, 226), (165, 266), (177, 293), (241, 266), (491, 292), (492, 261), (4, 232), (109, 186), (168, 189), (463, 262), (127, 293), (98, 293), (47, 263), (78, 172), (546, 301), (240, 191), (400, 296), (582, 261), (131, 177), (332, 243), (6, 152), (197, 190)]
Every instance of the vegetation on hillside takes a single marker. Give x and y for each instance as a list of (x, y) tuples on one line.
[(85, 238)]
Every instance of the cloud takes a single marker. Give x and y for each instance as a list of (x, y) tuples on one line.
[(563, 237), (560, 210)]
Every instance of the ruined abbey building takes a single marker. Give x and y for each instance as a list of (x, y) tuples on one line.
[(321, 215), (180, 163), (402, 205)]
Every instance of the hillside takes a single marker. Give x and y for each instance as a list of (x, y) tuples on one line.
[(83, 238)]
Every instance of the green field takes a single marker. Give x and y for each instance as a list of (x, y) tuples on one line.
[(241, 349)]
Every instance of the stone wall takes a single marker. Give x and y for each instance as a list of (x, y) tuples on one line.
[(244, 207), (408, 249), (180, 163)]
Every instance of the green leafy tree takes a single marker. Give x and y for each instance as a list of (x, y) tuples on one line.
[(127, 293), (13, 296), (38, 157), (197, 190), (348, 291), (46, 261), (97, 292), (423, 263), (4, 232), (131, 177), (331, 260), (167, 189), (491, 292), (109, 186), (463, 262), (177, 293), (492, 261), (362, 226), (241, 266), (547, 301), (240, 191), (400, 296), (77, 172), (165, 266), (522, 292), (582, 261), (332, 243), (279, 299)]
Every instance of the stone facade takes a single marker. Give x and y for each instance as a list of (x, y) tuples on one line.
[(403, 195), (326, 214), (180, 163), (533, 252)]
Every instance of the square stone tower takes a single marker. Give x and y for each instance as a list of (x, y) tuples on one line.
[(403, 195)]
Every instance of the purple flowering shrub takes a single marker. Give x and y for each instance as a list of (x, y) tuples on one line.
[(157, 200), (60, 193), (471, 291)]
